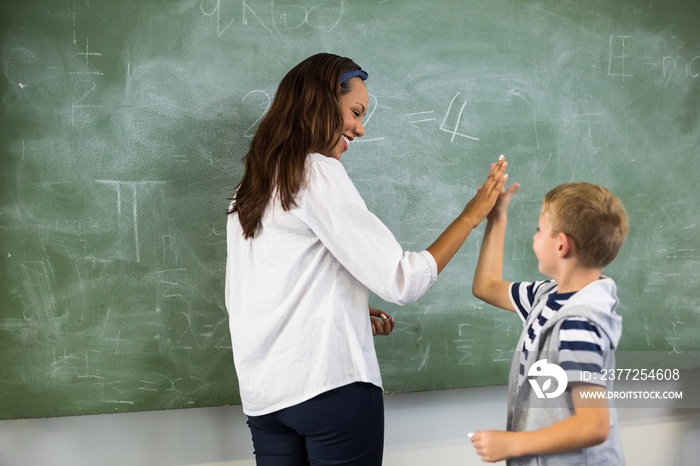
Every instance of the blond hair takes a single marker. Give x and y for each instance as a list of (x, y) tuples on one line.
[(592, 217)]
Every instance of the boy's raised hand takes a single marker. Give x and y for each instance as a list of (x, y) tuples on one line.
[(503, 202), (488, 193), (476, 210)]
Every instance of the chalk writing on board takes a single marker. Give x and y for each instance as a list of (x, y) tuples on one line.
[(81, 91), (520, 90), (428, 115), (21, 67), (616, 57), (211, 8), (264, 107), (421, 117), (84, 88), (464, 345), (452, 116), (323, 15), (671, 65), (87, 54), (133, 185), (500, 357), (458, 120), (368, 117), (467, 346), (681, 67)]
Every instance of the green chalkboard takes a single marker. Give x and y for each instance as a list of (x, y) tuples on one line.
[(123, 123)]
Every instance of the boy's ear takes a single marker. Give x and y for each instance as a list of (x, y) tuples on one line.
[(565, 246)]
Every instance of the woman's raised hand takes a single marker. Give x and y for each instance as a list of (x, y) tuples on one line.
[(481, 204)]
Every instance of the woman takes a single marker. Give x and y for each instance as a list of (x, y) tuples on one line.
[(303, 255)]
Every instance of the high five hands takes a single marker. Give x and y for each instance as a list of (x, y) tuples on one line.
[(488, 193)]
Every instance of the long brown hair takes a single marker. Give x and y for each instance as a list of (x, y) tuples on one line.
[(304, 117)]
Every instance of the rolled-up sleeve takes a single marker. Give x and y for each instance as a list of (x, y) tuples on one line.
[(332, 207)]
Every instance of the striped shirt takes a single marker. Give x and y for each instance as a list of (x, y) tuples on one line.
[(581, 343), (298, 292)]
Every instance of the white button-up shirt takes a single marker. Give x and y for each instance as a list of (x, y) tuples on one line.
[(298, 292)]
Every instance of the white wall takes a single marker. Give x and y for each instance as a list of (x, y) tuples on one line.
[(426, 428)]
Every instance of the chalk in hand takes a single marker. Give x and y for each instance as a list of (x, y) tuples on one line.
[(470, 434)]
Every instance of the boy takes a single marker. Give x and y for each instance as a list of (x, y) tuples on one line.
[(569, 320)]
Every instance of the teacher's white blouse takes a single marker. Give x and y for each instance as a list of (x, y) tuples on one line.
[(297, 293)]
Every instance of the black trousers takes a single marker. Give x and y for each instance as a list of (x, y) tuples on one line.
[(344, 427)]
